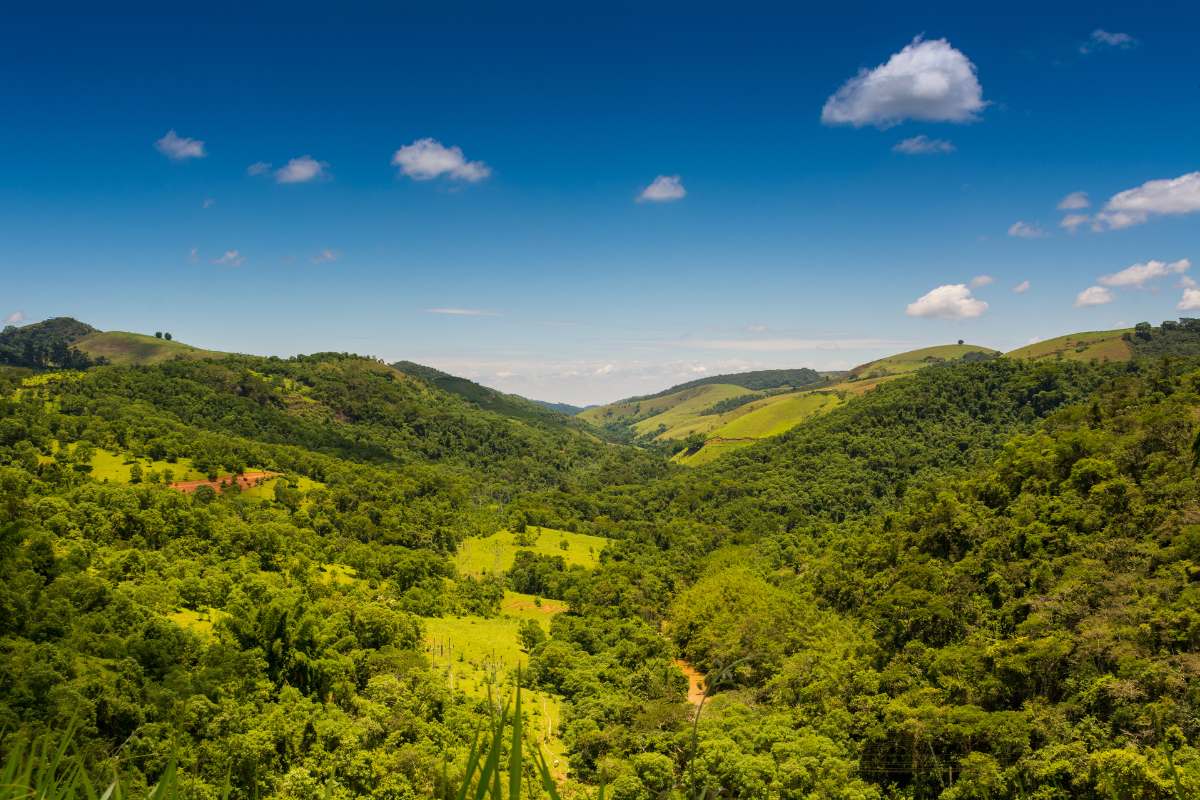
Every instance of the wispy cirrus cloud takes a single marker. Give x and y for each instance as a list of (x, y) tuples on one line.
[(922, 145), (462, 312), (259, 168), (927, 80), (426, 159), (663, 189), (1022, 287), (230, 258), (1026, 230), (326, 256), (1101, 39), (179, 148)]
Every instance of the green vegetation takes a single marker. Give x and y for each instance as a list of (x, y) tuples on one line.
[(977, 580), (1100, 345), (496, 553), (118, 347), (917, 359)]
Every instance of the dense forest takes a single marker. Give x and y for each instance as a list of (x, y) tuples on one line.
[(979, 581)]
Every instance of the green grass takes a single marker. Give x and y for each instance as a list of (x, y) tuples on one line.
[(710, 452), (495, 553), (338, 575), (916, 359), (1098, 345), (266, 489), (114, 467), (198, 622), (124, 348), (688, 404), (778, 415)]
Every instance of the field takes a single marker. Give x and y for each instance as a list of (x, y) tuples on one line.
[(475, 653), (1099, 345), (778, 415), (114, 467), (124, 348), (198, 622), (495, 553), (687, 409), (916, 359)]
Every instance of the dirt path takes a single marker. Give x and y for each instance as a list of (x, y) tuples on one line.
[(245, 481), (695, 681)]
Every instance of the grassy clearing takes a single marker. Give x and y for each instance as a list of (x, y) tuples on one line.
[(916, 359), (198, 622), (337, 575), (124, 348), (688, 406), (266, 489), (710, 452), (1098, 345), (476, 653), (495, 553), (779, 416), (114, 467)]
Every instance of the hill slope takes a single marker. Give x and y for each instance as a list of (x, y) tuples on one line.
[(1101, 345), (120, 347)]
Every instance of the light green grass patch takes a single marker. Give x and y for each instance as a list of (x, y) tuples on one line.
[(1098, 345), (114, 467), (337, 575), (916, 359), (688, 405), (526, 606), (779, 416), (495, 554), (198, 622), (266, 489)]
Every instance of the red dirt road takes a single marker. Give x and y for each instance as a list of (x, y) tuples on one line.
[(695, 681), (245, 481)]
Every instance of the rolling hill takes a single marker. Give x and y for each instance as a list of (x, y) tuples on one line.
[(1099, 345), (121, 347)]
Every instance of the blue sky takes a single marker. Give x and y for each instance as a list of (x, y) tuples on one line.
[(611, 199)]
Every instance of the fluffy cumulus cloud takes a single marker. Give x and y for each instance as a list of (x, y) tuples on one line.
[(1166, 197), (1022, 287), (426, 159), (179, 148), (663, 189), (301, 170), (951, 301), (15, 318), (981, 280), (1190, 300), (1074, 201), (922, 146), (230, 258), (1138, 275), (1025, 230), (1093, 296), (927, 80), (1102, 39)]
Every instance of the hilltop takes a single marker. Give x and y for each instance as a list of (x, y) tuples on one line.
[(67, 342)]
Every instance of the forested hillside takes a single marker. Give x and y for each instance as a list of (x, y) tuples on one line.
[(979, 580)]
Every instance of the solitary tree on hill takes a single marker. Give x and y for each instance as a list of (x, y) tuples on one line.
[(158, 334), (167, 336)]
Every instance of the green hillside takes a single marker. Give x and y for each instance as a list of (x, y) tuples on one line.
[(1102, 345), (120, 347), (916, 359), (976, 580)]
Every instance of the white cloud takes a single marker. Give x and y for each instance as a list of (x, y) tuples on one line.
[(951, 301), (326, 256), (927, 80), (230, 258), (1101, 39), (180, 148), (607, 369), (981, 280), (194, 254), (208, 203), (663, 189), (1168, 196), (1022, 287), (1093, 296), (301, 170), (1190, 300), (462, 312), (1074, 201), (426, 159), (922, 145), (1139, 274), (15, 318), (1072, 222), (1025, 230), (259, 168)]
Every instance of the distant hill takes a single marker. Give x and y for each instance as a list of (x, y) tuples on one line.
[(51, 343), (1099, 345), (120, 347), (562, 408), (924, 357), (509, 405)]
